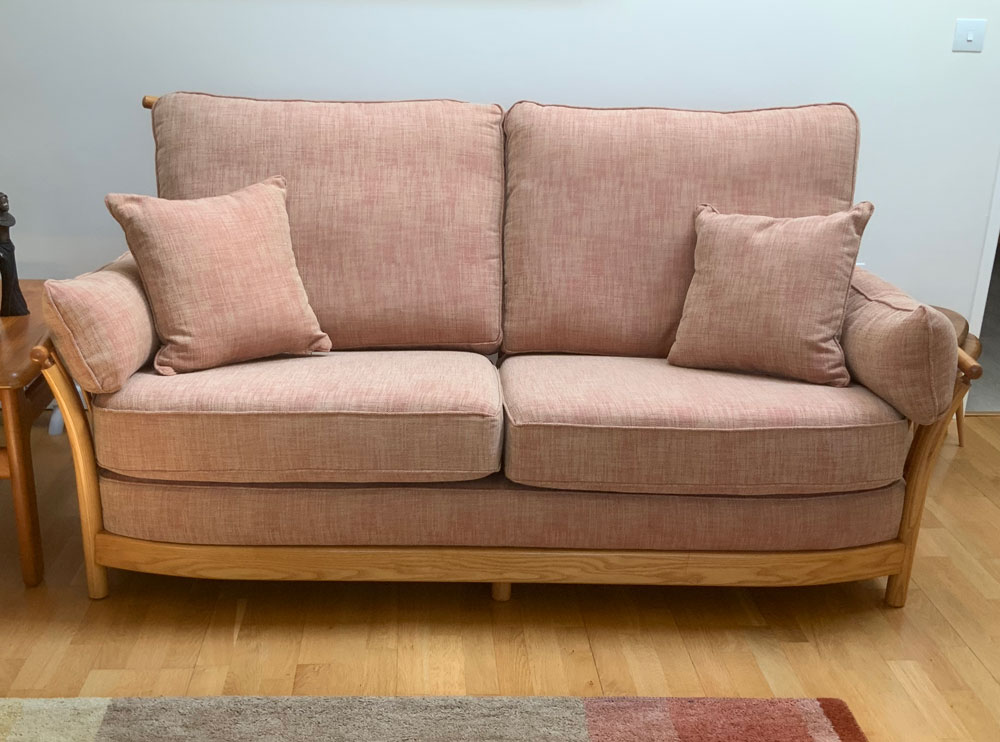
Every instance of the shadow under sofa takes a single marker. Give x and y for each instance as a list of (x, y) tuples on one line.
[(584, 456)]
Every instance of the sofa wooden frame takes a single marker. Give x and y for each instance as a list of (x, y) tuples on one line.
[(499, 566)]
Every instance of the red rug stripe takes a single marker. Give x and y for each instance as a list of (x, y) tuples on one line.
[(843, 721), (713, 720)]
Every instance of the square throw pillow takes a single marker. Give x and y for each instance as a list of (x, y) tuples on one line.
[(220, 276), (769, 294)]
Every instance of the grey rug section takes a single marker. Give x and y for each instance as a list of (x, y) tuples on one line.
[(345, 719)]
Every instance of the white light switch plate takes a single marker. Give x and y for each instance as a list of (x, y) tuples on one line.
[(969, 34)]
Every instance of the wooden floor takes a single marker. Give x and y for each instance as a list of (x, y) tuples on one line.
[(927, 672)]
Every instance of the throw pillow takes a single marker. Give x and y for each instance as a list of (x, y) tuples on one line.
[(220, 276), (769, 294)]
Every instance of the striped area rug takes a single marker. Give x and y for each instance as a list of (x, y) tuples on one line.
[(457, 719)]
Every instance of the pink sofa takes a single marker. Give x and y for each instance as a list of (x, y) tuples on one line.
[(431, 235)]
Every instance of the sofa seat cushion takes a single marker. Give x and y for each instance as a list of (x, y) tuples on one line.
[(641, 425), (370, 416)]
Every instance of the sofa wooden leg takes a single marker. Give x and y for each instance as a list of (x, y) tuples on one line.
[(897, 589), (97, 581), (920, 461), (960, 424), (500, 591)]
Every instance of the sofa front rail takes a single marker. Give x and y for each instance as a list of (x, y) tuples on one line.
[(499, 566)]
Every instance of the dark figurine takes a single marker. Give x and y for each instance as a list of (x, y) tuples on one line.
[(12, 302)]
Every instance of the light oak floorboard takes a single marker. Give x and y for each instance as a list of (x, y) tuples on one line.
[(930, 671)]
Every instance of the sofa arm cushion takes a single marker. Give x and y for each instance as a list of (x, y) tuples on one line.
[(904, 351), (101, 325)]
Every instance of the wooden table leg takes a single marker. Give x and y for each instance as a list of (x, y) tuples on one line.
[(22, 484)]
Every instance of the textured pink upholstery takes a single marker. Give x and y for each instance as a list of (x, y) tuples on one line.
[(494, 512), (394, 208), (395, 214), (768, 295), (361, 416), (599, 228), (220, 276), (101, 325), (642, 425), (904, 351)]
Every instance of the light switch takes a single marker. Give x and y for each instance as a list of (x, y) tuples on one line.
[(969, 34)]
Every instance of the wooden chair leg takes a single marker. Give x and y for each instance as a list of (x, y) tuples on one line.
[(500, 591), (960, 424), (22, 485)]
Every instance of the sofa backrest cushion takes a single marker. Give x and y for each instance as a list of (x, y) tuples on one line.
[(395, 208), (599, 229)]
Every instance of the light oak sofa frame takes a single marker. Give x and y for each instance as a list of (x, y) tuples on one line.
[(499, 566)]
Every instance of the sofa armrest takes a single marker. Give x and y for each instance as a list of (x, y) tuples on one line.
[(101, 325), (969, 365), (904, 351)]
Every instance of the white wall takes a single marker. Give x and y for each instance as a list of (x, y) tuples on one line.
[(71, 128)]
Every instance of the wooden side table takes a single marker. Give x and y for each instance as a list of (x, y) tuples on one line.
[(23, 395)]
